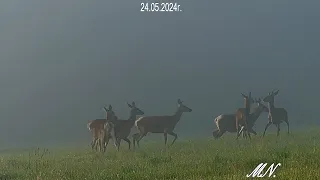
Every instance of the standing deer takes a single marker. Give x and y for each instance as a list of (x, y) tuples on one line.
[(159, 124), (242, 115), (276, 115), (98, 128), (122, 128), (225, 122)]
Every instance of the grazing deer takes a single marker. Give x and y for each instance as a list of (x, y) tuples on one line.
[(159, 124), (122, 128), (98, 128), (242, 115), (276, 115), (225, 122)]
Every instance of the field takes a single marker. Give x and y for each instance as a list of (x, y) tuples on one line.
[(298, 153)]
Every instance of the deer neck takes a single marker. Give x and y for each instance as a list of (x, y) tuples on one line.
[(177, 115), (246, 104), (132, 118), (247, 107), (270, 107), (255, 115)]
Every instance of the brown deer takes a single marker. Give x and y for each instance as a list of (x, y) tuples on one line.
[(98, 128), (276, 115), (122, 128), (242, 115), (225, 122), (159, 124)]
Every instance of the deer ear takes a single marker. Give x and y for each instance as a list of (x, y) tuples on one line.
[(133, 104), (110, 107), (276, 93), (244, 95), (179, 101), (129, 105)]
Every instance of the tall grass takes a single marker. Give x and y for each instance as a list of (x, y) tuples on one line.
[(226, 158)]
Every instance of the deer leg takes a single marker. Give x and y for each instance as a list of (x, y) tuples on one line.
[(106, 142), (165, 138), (237, 127), (96, 144), (287, 122), (118, 141), (238, 134), (247, 132), (252, 131), (246, 125), (102, 140), (101, 144), (265, 129), (215, 133), (140, 137), (174, 135), (98, 147), (93, 142), (244, 135), (239, 131), (134, 138), (220, 133), (278, 131), (128, 141), (114, 139)]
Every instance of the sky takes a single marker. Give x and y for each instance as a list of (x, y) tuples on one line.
[(62, 61)]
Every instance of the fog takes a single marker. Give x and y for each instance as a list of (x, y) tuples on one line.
[(62, 61)]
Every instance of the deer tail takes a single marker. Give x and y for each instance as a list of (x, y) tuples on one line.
[(88, 126)]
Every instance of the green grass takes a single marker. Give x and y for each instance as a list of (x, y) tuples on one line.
[(299, 154)]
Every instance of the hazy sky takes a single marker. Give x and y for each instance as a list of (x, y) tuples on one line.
[(61, 61)]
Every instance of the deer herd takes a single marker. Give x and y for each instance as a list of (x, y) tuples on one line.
[(242, 122)]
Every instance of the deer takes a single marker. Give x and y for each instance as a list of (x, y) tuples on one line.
[(276, 115), (242, 115), (225, 122), (159, 124), (98, 129), (122, 128)]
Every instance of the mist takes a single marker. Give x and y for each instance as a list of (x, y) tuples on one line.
[(62, 61)]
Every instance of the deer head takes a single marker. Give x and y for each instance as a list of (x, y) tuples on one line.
[(248, 99), (261, 105), (270, 97), (111, 116), (182, 107), (134, 110)]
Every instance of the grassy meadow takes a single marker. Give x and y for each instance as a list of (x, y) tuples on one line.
[(299, 154)]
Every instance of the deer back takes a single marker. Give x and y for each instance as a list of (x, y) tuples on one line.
[(156, 123), (226, 122), (279, 113), (96, 124)]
